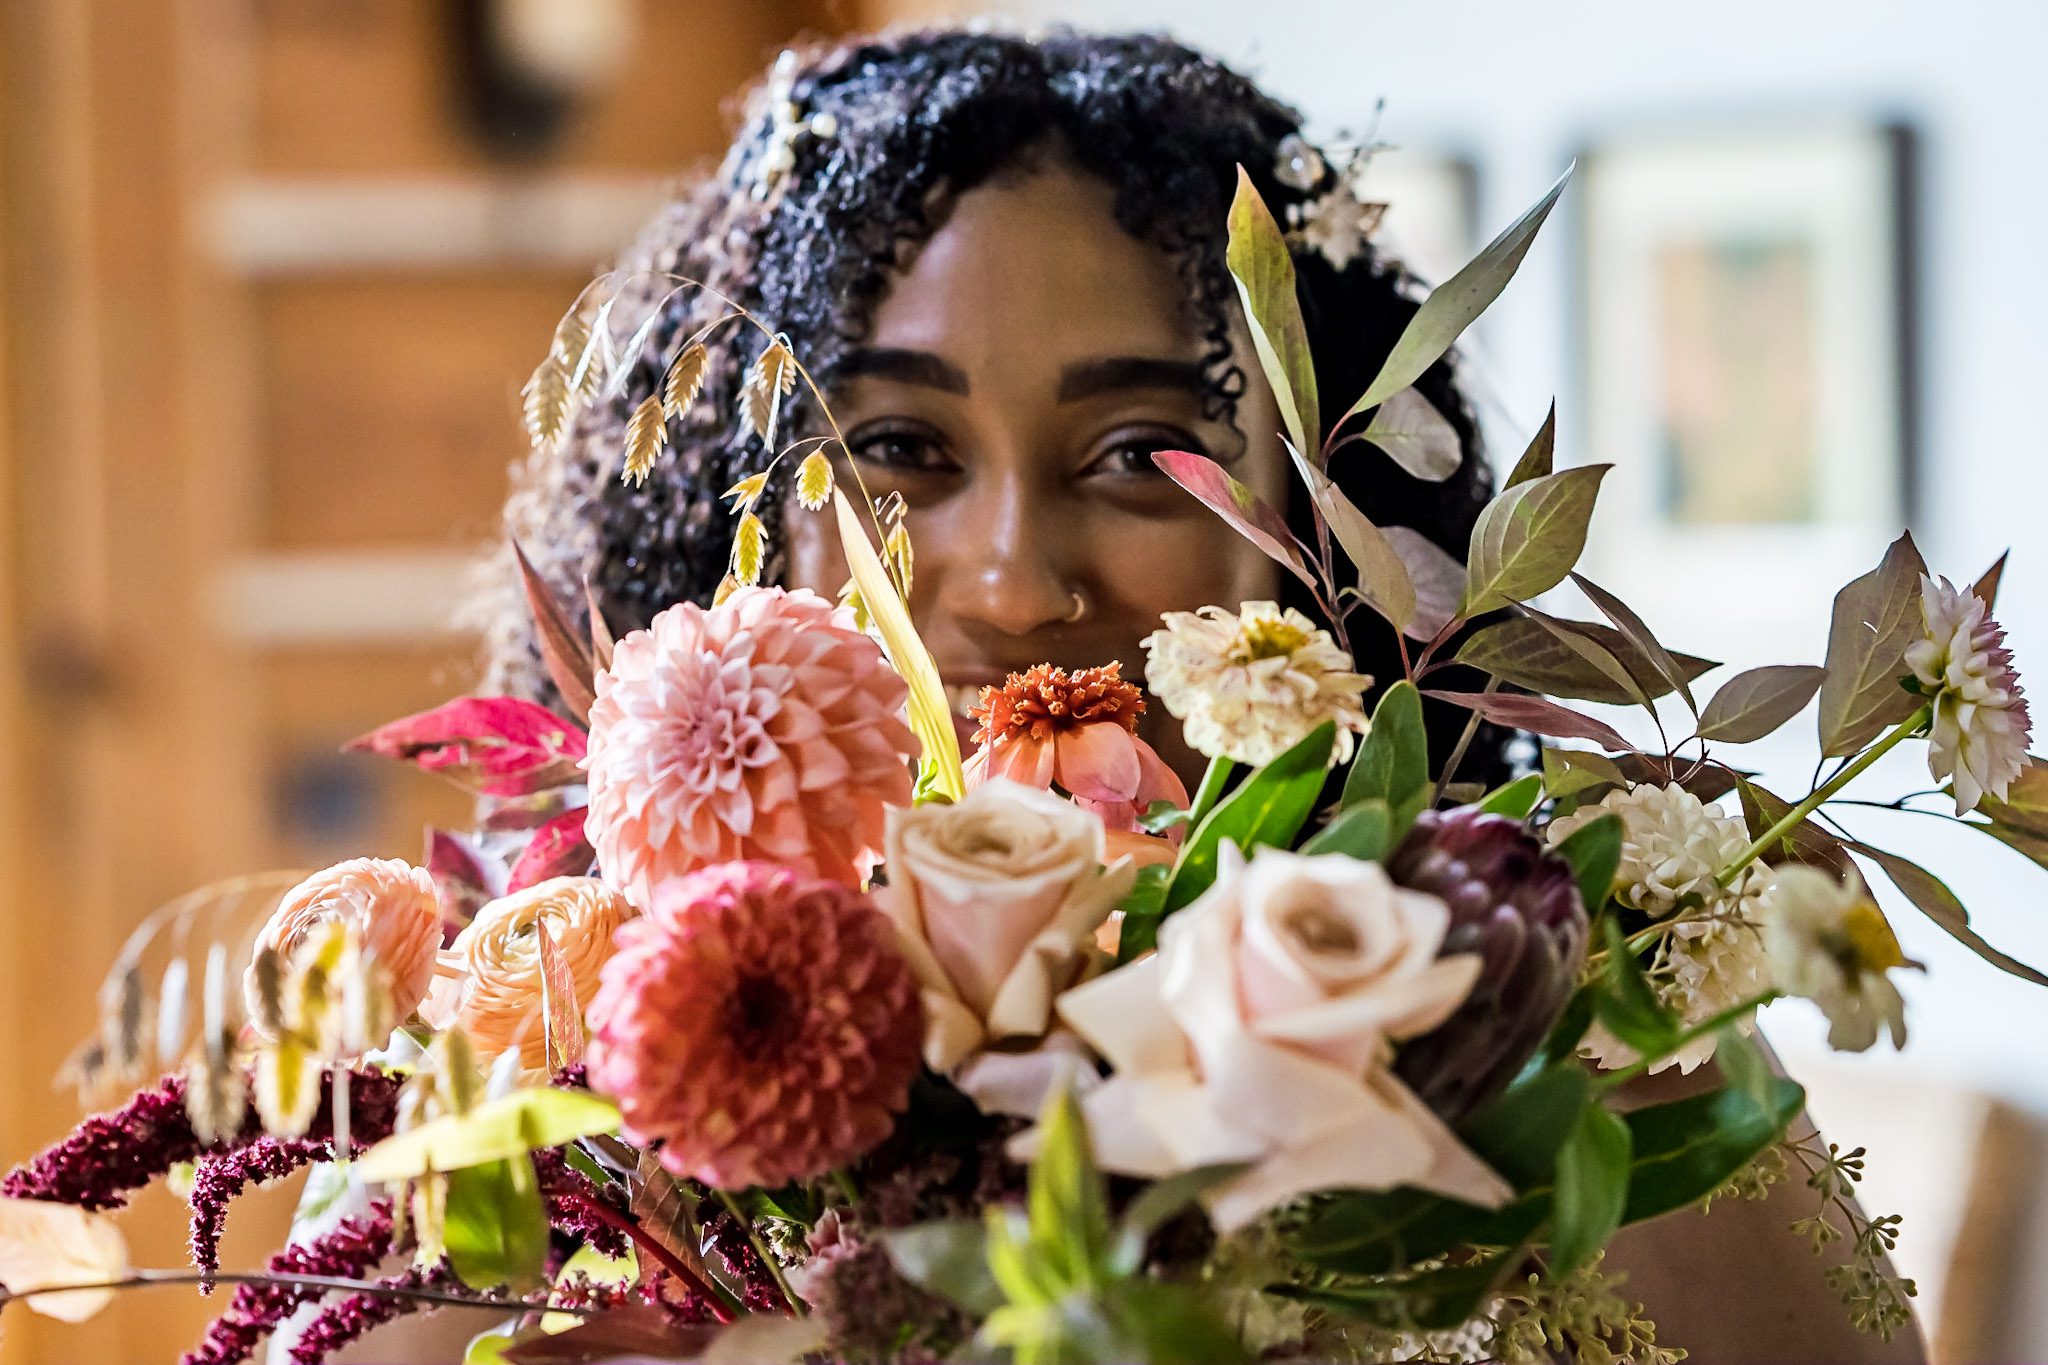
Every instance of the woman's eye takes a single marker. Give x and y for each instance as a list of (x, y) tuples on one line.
[(902, 449), (1130, 455)]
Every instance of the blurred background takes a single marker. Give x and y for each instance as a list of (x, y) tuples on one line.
[(272, 271)]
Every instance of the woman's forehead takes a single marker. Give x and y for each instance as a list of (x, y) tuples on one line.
[(1037, 260)]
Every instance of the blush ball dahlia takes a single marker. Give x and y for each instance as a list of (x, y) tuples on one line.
[(758, 1024), (766, 727)]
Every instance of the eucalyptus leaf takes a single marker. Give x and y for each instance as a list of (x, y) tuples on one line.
[(1931, 895), (1416, 436), (1452, 305), (1537, 459), (1641, 636), (1438, 576), (1532, 652), (1875, 617), (1244, 511), (1257, 257), (1527, 539), (1757, 701), (1592, 1188), (1383, 582), (1364, 830), (1535, 715), (1393, 761)]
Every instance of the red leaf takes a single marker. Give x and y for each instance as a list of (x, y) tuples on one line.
[(557, 849), (1537, 716), (463, 879), (1248, 514), (561, 1015), (499, 746)]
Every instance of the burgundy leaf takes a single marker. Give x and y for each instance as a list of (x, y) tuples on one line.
[(499, 746), (561, 648), (1932, 896), (1986, 588), (1535, 715), (558, 848), (1248, 514), (463, 878), (1757, 701), (601, 641)]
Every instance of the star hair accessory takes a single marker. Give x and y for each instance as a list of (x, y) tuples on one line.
[(1335, 218), (788, 123)]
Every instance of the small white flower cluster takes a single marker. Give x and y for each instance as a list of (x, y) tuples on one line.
[(1673, 846), (1340, 221), (1251, 685), (1981, 726), (778, 158)]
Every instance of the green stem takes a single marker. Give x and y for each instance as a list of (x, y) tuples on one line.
[(1905, 730), (796, 1305), (1614, 1080), (1214, 779), (1464, 742)]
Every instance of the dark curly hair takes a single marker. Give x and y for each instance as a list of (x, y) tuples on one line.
[(922, 118)]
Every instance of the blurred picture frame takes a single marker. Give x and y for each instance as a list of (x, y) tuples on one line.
[(1744, 326)]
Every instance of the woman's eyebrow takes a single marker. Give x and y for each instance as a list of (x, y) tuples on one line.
[(1088, 378), (906, 367)]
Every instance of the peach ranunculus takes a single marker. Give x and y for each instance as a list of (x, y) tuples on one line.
[(1263, 1030), (1077, 730), (391, 906), (500, 1003), (996, 902)]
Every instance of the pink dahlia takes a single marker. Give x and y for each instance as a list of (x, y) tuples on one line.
[(760, 1025), (766, 727)]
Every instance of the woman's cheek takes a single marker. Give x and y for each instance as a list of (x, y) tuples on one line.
[(1185, 563)]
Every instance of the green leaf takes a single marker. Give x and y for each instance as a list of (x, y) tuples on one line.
[(948, 1258), (1569, 772), (494, 1131), (1603, 661), (1594, 851), (1536, 460), (496, 1229), (1534, 653), (1268, 808), (1393, 762), (1875, 617), (1687, 1149), (1068, 1199), (1637, 633), (1147, 893), (1259, 262), (1452, 306), (1416, 437), (1434, 1300), (1163, 1323), (1592, 1188), (1931, 895), (1757, 701), (1516, 799), (1364, 831), (1519, 1132), (1628, 1005), (1570, 1029), (1527, 539), (1383, 581)]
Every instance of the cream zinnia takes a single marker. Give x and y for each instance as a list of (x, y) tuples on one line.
[(1251, 685), (1981, 726), (766, 727), (1827, 941)]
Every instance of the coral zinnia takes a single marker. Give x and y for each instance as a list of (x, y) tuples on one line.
[(766, 727), (760, 1025), (1079, 730)]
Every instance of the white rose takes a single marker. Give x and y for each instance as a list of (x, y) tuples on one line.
[(996, 901), (1262, 1030)]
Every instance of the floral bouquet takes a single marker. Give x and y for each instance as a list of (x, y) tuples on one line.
[(755, 1024)]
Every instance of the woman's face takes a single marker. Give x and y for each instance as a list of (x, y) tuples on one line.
[(1014, 385)]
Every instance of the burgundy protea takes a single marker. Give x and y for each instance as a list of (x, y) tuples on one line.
[(1517, 905)]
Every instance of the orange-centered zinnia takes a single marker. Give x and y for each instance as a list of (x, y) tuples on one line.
[(1077, 730)]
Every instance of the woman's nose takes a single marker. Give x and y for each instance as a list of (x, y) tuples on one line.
[(1004, 574)]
